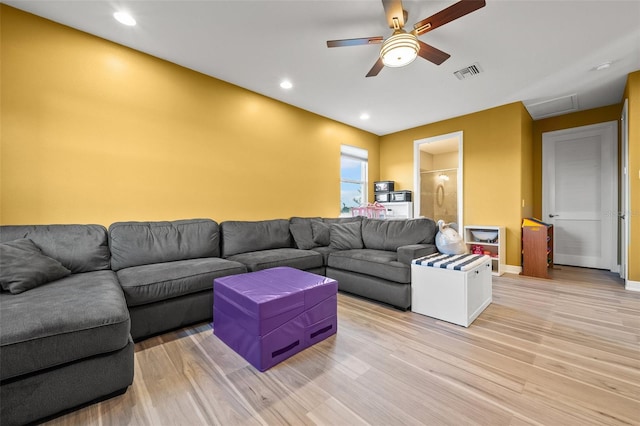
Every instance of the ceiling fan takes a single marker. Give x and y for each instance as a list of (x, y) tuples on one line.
[(402, 47)]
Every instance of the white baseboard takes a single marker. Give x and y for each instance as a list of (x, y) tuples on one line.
[(632, 285), (510, 269)]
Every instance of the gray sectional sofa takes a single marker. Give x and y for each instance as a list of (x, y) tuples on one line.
[(64, 343), (68, 341)]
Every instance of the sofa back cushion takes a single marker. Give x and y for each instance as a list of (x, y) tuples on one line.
[(145, 243), (342, 220), (312, 232), (390, 234), (79, 248), (245, 236), (345, 236), (24, 266), (302, 233)]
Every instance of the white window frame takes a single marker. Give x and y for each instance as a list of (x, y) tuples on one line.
[(358, 154)]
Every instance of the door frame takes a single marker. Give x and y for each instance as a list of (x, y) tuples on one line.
[(610, 209), (416, 173), (625, 212)]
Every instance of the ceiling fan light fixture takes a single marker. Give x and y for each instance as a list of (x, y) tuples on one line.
[(125, 19), (400, 49)]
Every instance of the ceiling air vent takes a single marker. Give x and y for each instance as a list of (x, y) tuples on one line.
[(469, 71), (551, 107)]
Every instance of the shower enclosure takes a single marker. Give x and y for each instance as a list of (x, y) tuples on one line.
[(438, 177), (439, 194)]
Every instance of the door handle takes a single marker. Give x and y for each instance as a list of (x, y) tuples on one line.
[(553, 215)]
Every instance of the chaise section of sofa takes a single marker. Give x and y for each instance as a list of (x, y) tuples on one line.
[(374, 260), (266, 244), (65, 342), (166, 270)]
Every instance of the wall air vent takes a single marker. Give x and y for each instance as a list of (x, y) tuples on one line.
[(469, 71)]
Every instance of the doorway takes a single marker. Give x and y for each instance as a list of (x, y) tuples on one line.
[(438, 178), (579, 194)]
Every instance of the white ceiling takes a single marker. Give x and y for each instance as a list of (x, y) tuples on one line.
[(529, 50)]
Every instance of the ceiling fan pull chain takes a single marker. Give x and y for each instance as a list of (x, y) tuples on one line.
[(423, 27)]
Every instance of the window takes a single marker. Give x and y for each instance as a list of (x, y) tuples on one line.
[(353, 177)]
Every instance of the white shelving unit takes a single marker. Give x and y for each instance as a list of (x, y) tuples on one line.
[(496, 249), (398, 210)]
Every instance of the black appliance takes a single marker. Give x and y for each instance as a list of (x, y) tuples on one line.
[(383, 186), (383, 197), (400, 196)]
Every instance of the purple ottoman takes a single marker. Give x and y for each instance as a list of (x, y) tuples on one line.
[(269, 315)]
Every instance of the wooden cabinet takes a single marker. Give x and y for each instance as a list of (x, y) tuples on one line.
[(537, 248), (480, 239)]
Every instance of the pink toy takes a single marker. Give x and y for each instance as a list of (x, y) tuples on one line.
[(476, 249)]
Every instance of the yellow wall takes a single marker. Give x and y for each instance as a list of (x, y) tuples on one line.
[(632, 93), (493, 146), (94, 132), (567, 121)]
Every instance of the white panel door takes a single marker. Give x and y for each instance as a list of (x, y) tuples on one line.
[(579, 188)]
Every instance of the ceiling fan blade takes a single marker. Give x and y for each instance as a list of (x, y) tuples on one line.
[(395, 13), (354, 41), (447, 15), (432, 54), (377, 67)]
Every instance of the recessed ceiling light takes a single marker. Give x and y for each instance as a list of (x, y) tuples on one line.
[(364, 116), (286, 84), (124, 18), (603, 66)]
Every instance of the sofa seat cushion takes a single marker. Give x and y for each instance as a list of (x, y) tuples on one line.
[(152, 283), (76, 317), (295, 258), (378, 263), (325, 252)]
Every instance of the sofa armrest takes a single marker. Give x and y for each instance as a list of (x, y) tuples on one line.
[(407, 253)]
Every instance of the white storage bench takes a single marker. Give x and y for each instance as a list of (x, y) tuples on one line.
[(453, 288)]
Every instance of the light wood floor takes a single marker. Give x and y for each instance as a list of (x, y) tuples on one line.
[(554, 352)]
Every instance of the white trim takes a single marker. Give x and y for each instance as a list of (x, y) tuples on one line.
[(361, 155), (611, 158), (354, 152), (624, 191), (632, 285), (510, 269), (416, 172)]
